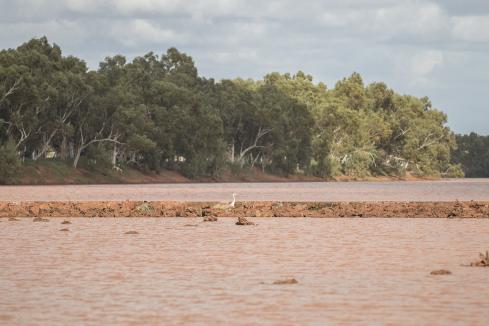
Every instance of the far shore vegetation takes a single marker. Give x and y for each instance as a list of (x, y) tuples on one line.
[(155, 114)]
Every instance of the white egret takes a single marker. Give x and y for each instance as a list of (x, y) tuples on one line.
[(226, 205)]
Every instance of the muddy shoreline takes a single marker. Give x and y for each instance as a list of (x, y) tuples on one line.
[(454, 209)]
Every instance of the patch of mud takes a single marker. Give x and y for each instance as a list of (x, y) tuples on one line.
[(456, 209), (482, 262), (286, 281), (441, 272), (40, 219), (210, 219), (243, 221)]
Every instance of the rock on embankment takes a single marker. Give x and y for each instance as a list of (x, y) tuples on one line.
[(472, 209)]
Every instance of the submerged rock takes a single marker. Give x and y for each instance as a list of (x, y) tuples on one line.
[(286, 281), (441, 272), (210, 219), (483, 262), (132, 232), (40, 219), (66, 222), (244, 221)]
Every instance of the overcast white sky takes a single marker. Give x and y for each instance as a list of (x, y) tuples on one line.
[(437, 48)]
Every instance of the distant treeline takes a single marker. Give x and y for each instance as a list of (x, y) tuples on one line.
[(473, 154), (156, 112)]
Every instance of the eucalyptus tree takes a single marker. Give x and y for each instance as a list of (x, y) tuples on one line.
[(472, 154), (156, 112), (41, 91), (243, 130)]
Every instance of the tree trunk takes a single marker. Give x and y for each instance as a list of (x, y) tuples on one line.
[(114, 155), (254, 160), (244, 152), (63, 151), (71, 150), (45, 144), (77, 157)]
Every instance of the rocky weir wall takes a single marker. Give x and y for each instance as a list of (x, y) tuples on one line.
[(459, 209)]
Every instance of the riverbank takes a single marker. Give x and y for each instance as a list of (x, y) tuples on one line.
[(455, 209), (54, 172)]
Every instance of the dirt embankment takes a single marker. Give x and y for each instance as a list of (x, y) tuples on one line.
[(472, 209), (54, 172)]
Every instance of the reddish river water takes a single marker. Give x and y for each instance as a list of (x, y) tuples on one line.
[(444, 190), (360, 271)]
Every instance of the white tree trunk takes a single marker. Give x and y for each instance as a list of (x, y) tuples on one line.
[(77, 157), (45, 146), (114, 155)]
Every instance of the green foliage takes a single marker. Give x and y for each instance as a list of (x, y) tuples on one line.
[(96, 158), (473, 155), (155, 112), (9, 162)]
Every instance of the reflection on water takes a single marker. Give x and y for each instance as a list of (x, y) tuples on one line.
[(348, 270)]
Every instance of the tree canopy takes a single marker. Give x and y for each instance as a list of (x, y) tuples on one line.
[(155, 112), (472, 154)]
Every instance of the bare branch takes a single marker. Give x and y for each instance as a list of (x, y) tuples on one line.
[(12, 90), (427, 142), (402, 133), (261, 132)]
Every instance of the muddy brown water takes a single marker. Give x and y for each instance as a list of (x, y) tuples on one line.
[(183, 271), (443, 190)]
